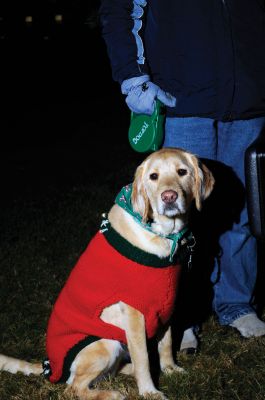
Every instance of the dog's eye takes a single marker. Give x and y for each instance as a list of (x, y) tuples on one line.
[(154, 176), (182, 172)]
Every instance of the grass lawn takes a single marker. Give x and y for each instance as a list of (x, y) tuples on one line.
[(51, 205)]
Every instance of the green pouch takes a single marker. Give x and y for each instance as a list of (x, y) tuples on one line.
[(146, 132)]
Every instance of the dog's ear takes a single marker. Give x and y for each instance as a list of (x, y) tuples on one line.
[(140, 201), (204, 182)]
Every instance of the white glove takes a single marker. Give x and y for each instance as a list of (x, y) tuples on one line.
[(142, 93)]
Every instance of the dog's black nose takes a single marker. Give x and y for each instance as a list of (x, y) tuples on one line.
[(169, 196)]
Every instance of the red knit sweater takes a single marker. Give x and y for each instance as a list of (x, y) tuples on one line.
[(102, 277)]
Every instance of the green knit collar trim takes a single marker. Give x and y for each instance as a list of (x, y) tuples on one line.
[(123, 199)]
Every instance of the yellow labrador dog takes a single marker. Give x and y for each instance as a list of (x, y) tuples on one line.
[(122, 290)]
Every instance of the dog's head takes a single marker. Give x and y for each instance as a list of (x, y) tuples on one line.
[(168, 181)]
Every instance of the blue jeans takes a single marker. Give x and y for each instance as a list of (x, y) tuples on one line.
[(234, 272)]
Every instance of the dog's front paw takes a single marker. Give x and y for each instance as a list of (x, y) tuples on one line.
[(154, 395), (169, 369), (117, 396)]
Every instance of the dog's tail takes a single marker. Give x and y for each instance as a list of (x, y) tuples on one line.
[(15, 365)]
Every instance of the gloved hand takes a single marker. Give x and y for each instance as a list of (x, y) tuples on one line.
[(142, 93)]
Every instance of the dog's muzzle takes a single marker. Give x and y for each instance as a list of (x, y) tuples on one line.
[(170, 204), (169, 197)]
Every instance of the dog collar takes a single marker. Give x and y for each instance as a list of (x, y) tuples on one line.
[(123, 199)]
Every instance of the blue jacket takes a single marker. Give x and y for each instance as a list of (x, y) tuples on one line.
[(209, 54)]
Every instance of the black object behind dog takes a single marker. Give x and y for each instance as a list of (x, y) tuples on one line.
[(255, 185)]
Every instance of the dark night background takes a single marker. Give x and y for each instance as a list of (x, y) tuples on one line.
[(58, 99)]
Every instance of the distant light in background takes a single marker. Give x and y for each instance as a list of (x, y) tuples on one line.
[(29, 19), (58, 18), (48, 20)]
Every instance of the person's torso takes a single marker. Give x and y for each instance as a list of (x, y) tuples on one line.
[(210, 54)]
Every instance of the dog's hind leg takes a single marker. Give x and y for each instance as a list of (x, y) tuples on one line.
[(91, 364), (127, 369), (167, 363)]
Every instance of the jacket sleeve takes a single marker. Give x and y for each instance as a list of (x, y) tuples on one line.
[(122, 25)]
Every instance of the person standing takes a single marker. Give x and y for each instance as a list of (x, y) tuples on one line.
[(205, 60)]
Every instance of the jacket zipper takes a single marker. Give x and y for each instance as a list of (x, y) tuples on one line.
[(230, 114)]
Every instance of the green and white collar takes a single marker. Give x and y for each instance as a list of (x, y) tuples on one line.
[(123, 199)]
